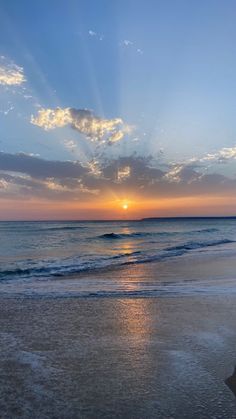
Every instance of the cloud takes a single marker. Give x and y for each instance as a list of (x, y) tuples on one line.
[(6, 111), (70, 145), (10, 73), (196, 167), (152, 180), (126, 42), (92, 33), (83, 121), (117, 136), (50, 118), (93, 127), (3, 183), (40, 168), (173, 175), (15, 186), (135, 171), (25, 175), (223, 155), (96, 35), (123, 173), (31, 176), (182, 173), (226, 153)]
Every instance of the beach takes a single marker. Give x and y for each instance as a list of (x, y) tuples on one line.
[(71, 357), (132, 358), (118, 320)]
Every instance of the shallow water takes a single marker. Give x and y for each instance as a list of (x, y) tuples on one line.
[(78, 258)]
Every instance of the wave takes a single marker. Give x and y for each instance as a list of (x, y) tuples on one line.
[(123, 235), (200, 244), (204, 230), (43, 271), (62, 268), (180, 250), (110, 236), (68, 267), (116, 236)]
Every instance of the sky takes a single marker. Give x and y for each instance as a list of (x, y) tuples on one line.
[(117, 109)]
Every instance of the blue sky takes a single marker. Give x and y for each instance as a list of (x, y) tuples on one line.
[(166, 69)]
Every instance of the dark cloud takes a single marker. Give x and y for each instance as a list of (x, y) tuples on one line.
[(25, 175), (141, 171), (40, 168)]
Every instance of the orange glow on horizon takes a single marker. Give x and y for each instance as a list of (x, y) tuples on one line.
[(105, 209)]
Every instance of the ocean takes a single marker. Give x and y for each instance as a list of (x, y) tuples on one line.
[(82, 255)]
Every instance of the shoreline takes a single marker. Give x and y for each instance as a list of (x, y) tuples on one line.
[(190, 274)]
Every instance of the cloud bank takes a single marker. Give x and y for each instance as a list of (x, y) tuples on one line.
[(31, 176)]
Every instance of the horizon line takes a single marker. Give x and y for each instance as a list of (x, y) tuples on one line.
[(191, 217)]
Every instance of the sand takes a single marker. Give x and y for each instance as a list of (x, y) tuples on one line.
[(117, 358)]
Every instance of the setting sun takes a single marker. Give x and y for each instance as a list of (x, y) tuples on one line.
[(125, 206)]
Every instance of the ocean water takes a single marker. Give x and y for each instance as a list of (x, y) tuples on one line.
[(32, 252)]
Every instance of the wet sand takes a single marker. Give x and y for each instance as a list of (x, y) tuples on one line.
[(117, 358)]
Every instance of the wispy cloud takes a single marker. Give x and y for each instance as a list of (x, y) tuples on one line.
[(6, 111), (83, 121), (92, 33), (70, 145), (96, 35), (126, 43), (186, 173), (221, 156), (193, 168), (10, 73)]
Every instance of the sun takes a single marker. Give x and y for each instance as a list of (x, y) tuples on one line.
[(125, 206)]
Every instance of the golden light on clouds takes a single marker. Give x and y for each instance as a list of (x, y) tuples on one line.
[(123, 173), (12, 77), (10, 73), (52, 118), (84, 121)]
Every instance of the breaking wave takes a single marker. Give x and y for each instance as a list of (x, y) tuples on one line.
[(69, 266)]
